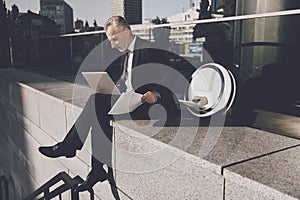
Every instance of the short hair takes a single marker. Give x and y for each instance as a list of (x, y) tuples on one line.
[(116, 20)]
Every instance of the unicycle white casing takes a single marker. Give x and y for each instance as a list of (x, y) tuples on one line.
[(214, 82)]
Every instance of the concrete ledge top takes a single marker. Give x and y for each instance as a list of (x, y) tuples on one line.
[(279, 171), (220, 146), (76, 94)]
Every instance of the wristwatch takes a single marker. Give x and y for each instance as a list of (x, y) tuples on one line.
[(157, 95)]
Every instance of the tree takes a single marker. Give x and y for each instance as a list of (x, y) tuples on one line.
[(87, 26), (158, 20), (14, 12), (95, 23)]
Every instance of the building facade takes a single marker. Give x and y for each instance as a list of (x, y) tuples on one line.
[(26, 47), (130, 9), (180, 34), (32, 25), (60, 12), (4, 37), (78, 25)]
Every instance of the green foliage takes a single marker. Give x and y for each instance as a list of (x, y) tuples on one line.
[(158, 20)]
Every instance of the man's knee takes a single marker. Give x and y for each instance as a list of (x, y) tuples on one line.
[(91, 97)]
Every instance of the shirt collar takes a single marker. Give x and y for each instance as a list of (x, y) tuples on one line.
[(131, 45)]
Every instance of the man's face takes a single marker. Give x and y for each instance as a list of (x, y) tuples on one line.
[(119, 37)]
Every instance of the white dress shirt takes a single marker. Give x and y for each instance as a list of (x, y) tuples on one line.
[(129, 65)]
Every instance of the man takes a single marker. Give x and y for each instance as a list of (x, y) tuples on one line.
[(95, 112)]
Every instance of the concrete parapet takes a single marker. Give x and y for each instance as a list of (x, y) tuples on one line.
[(168, 173), (235, 147), (275, 176), (150, 161), (32, 114)]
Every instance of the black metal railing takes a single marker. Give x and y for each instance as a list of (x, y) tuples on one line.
[(4, 188), (69, 184)]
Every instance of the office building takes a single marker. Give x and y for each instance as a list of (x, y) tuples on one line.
[(179, 34), (32, 25), (130, 9), (60, 12), (78, 25)]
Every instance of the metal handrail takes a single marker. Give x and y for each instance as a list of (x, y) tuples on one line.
[(69, 184), (191, 22), (4, 190)]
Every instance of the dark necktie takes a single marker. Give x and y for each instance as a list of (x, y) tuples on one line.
[(124, 75), (121, 83)]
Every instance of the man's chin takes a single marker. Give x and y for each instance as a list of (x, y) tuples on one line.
[(121, 50)]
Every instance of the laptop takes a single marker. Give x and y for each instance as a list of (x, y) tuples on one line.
[(101, 82)]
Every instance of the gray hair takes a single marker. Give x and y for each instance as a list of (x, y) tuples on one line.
[(117, 20)]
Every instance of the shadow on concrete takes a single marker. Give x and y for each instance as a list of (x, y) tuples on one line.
[(113, 185), (15, 159)]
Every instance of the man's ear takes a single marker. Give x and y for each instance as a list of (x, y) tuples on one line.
[(127, 31)]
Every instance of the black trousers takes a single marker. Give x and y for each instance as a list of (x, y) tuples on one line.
[(94, 116)]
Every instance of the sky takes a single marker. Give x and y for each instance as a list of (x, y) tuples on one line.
[(101, 9)]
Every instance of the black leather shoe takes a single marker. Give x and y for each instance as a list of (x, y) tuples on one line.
[(56, 151), (93, 177)]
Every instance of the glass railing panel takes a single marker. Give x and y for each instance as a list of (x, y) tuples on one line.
[(261, 50)]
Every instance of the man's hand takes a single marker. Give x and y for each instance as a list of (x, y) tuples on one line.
[(201, 102), (149, 97)]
